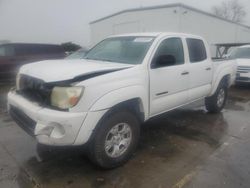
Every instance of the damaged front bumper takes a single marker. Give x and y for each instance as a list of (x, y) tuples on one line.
[(50, 127)]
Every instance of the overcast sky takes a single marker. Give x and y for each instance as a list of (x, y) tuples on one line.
[(57, 21)]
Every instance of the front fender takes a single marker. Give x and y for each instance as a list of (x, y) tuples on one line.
[(120, 95)]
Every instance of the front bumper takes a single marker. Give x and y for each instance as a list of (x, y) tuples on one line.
[(243, 77), (50, 127)]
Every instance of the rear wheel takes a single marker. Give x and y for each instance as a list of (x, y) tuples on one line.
[(115, 140), (216, 102)]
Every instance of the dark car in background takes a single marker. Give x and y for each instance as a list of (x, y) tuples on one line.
[(14, 55)]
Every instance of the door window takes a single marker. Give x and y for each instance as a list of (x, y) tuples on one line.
[(169, 53)]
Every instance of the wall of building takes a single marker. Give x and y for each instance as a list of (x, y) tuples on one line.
[(171, 19), (155, 20)]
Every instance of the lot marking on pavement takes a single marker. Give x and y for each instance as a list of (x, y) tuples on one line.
[(187, 178)]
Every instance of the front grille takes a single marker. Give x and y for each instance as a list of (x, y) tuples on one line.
[(34, 89), (23, 120), (243, 79), (243, 69)]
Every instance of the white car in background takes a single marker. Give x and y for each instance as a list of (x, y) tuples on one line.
[(242, 56)]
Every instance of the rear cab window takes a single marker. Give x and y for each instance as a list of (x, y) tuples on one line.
[(197, 50)]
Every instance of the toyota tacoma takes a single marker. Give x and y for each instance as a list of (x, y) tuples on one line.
[(101, 101)]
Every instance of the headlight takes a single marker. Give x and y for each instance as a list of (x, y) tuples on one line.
[(65, 97)]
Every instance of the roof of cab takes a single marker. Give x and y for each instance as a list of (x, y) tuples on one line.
[(244, 46), (155, 34)]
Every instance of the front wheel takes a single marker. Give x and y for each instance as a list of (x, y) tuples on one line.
[(216, 102), (115, 140)]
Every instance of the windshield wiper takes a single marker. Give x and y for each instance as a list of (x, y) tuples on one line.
[(108, 60)]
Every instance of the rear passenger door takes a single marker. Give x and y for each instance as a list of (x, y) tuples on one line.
[(169, 81), (200, 68)]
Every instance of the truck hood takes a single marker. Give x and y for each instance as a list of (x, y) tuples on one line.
[(60, 70), (243, 62)]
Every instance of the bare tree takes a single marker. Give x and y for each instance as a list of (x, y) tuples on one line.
[(230, 10)]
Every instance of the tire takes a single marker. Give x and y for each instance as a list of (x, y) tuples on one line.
[(216, 102), (115, 140)]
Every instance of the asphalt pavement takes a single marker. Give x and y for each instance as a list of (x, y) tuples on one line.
[(187, 148)]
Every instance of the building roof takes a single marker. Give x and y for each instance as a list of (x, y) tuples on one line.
[(167, 6)]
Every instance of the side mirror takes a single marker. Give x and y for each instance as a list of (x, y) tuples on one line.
[(226, 56), (164, 61)]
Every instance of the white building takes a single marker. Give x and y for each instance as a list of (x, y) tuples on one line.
[(171, 18)]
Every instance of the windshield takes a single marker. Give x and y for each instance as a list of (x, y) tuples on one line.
[(128, 50), (240, 53)]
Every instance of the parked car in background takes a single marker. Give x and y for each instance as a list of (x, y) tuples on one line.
[(123, 81), (79, 54), (14, 55), (242, 57)]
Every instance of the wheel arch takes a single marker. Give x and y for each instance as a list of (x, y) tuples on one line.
[(133, 105), (133, 98), (223, 79)]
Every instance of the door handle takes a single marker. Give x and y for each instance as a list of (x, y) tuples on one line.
[(162, 93), (185, 73), (208, 69)]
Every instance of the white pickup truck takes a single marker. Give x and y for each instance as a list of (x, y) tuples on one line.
[(101, 101)]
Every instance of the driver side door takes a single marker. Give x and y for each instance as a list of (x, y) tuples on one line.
[(168, 81)]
